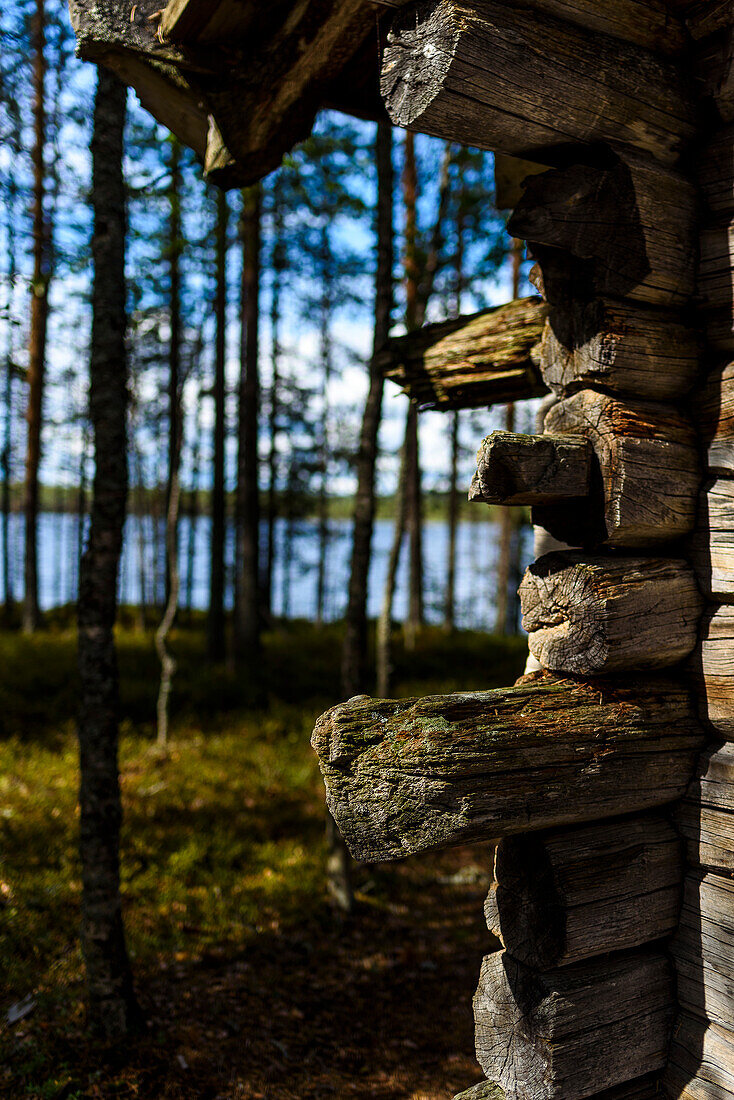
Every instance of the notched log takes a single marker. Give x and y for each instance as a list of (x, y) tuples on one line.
[(706, 816), (648, 460), (470, 362), (597, 614), (712, 546), (714, 418), (713, 666), (621, 347), (564, 896), (574, 1031), (701, 1062), (406, 775), (495, 76), (531, 469)]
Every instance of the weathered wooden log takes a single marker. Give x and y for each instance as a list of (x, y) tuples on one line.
[(714, 418), (572, 1032), (701, 1062), (712, 546), (485, 76), (706, 17), (470, 362), (714, 66), (645, 1088), (485, 1090), (591, 614), (713, 666), (405, 775), (531, 469), (715, 169), (705, 817), (564, 896), (703, 948), (631, 225), (648, 458), (621, 347), (716, 282)]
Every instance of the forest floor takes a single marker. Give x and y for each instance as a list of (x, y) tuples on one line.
[(253, 986)]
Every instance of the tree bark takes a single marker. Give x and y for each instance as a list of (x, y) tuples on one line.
[(247, 602), (38, 325), (354, 651), (216, 643), (112, 1007)]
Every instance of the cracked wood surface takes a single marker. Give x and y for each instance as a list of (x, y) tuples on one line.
[(411, 774)]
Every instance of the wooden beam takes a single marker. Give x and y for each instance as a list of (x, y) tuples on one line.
[(471, 361), (712, 546), (487, 76), (531, 469), (714, 419), (574, 1031), (703, 948), (648, 461), (619, 346), (588, 615), (701, 1063), (405, 775), (568, 895), (713, 666), (196, 21), (630, 226)]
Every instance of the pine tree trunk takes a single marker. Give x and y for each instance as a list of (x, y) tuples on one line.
[(354, 651), (247, 602), (324, 450), (112, 1007), (216, 646), (450, 609), (277, 264), (175, 426), (38, 326), (384, 623), (509, 550), (412, 456), (193, 506)]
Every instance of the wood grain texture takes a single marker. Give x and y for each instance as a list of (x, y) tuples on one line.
[(596, 614), (649, 467), (713, 669), (715, 283), (705, 817), (569, 1033), (629, 225), (531, 469), (715, 172), (712, 546), (701, 1062), (405, 775), (713, 411), (564, 896), (703, 948), (619, 346), (472, 361), (485, 76)]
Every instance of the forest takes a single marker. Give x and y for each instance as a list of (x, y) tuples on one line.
[(219, 517)]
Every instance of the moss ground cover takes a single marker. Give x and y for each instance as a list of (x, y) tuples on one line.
[(252, 985)]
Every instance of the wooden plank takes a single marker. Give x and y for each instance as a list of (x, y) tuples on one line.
[(574, 1031), (703, 948), (715, 171), (619, 346), (701, 1063), (531, 469), (471, 361), (588, 615), (631, 224), (486, 77), (564, 896), (709, 836), (716, 266), (713, 666), (405, 775), (713, 411), (712, 547), (196, 21), (649, 467)]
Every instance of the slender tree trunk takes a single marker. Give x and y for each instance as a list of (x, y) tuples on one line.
[(414, 519), (216, 589), (324, 448), (354, 651), (247, 603), (112, 1007), (166, 658), (384, 623), (38, 326), (193, 504), (507, 515), (277, 264), (450, 608), (7, 455)]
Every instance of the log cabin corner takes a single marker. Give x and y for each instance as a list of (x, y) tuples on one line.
[(606, 775)]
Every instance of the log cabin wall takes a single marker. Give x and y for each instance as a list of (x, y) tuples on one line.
[(604, 986)]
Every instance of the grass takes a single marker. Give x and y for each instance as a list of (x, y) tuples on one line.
[(222, 856)]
